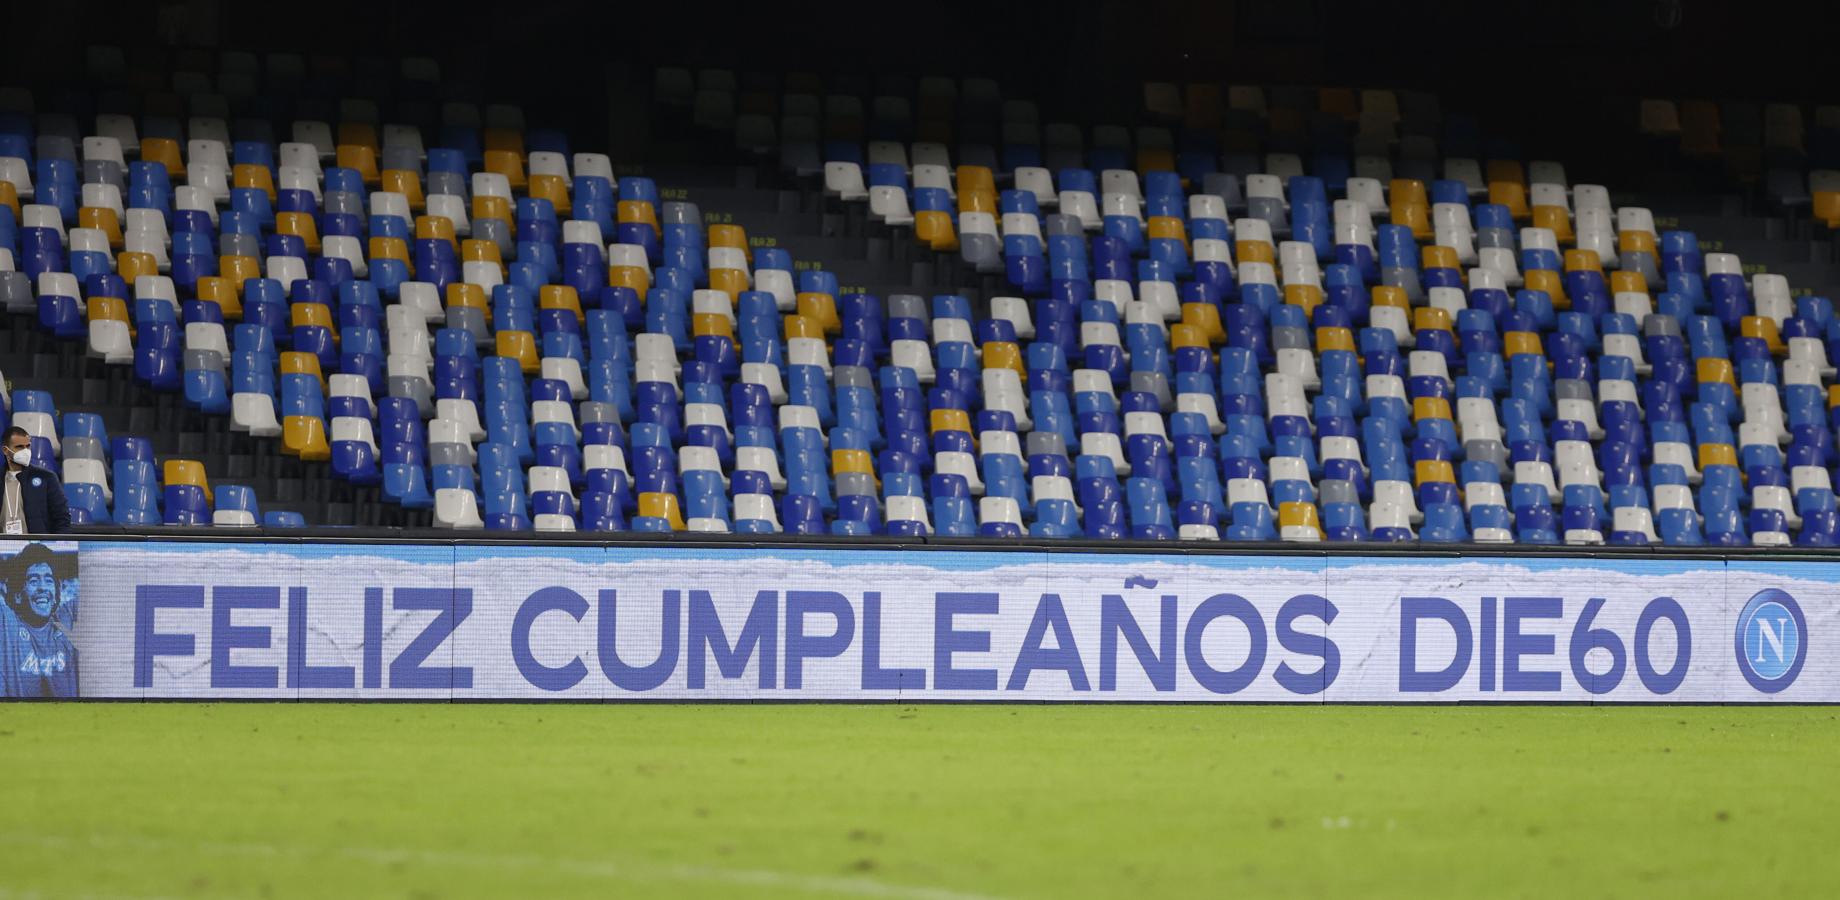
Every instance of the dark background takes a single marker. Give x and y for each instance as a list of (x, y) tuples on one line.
[(1545, 68), (1505, 47)]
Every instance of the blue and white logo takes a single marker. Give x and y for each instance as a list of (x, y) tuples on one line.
[(1772, 640)]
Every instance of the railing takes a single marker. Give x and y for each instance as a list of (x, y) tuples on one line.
[(1179, 548)]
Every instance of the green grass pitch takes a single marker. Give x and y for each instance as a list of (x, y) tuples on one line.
[(890, 801)]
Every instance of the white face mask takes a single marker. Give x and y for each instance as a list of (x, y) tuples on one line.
[(23, 456)]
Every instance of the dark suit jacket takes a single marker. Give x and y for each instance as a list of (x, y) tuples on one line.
[(47, 512)]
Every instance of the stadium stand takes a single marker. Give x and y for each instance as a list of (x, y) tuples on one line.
[(1251, 314)]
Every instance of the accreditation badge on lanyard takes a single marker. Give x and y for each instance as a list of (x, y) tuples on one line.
[(14, 498)]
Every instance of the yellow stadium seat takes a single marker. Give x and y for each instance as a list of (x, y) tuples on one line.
[(406, 183), (389, 248), (438, 228), (822, 309), (1155, 159), (308, 314), (1205, 319), (1639, 242), (1254, 252), (798, 326), (852, 461), (1433, 471), (553, 189), (1334, 338), (1714, 370), (560, 296), (1305, 295), (521, 346), (297, 362), (1436, 257), (1549, 281), (660, 505), (977, 202), (1628, 281), (1506, 170), (1406, 197), (1005, 355), (359, 134), (225, 293), (934, 228), (305, 437), (976, 178), (1390, 295), (108, 309), (185, 471), (1717, 455), (1826, 208), (1166, 227), (1762, 327), (1337, 102), (1515, 343), (508, 164), (1636, 278), (1557, 220), (102, 219), (301, 225), (131, 266), (948, 420), (166, 152), (361, 158), (733, 236), (460, 293), (1511, 194), (635, 277), (504, 140), (476, 250), (711, 325), (1182, 334), (488, 207), (1430, 408), (1833, 396), (1299, 515), (729, 281), (1430, 318), (9, 197), (255, 177), (628, 212), (1583, 261)]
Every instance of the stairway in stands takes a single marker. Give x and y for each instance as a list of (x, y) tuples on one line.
[(866, 256), (78, 384), (872, 258)]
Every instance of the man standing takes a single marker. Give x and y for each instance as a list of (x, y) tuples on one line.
[(31, 499)]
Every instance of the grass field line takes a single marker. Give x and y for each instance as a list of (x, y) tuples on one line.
[(851, 886)]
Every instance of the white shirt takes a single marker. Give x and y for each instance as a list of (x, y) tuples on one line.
[(15, 505)]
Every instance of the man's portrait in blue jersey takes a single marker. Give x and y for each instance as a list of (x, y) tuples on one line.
[(37, 656)]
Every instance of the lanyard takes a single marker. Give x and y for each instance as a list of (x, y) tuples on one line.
[(15, 498)]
